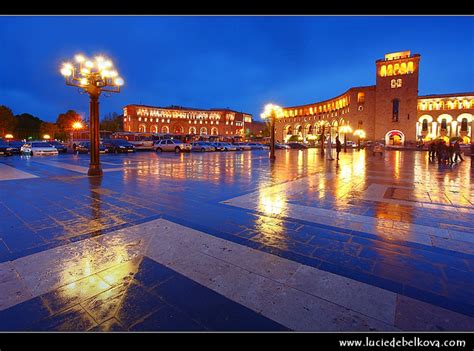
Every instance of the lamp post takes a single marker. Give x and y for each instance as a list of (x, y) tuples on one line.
[(273, 112), (75, 126), (360, 135), (345, 129), (93, 78)]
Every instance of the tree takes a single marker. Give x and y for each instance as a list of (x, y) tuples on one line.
[(7, 121), (48, 128), (27, 126), (112, 122), (64, 123)]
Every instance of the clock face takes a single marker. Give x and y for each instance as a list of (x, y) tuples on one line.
[(396, 83)]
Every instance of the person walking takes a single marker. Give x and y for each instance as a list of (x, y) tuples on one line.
[(329, 148), (457, 151), (338, 146), (432, 151), (450, 150)]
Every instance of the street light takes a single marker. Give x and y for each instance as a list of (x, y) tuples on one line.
[(272, 111), (93, 77), (345, 129), (360, 134), (75, 126)]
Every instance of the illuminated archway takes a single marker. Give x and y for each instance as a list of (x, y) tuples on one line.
[(203, 131), (165, 129), (192, 130), (154, 129), (395, 138), (214, 131), (178, 129), (142, 128)]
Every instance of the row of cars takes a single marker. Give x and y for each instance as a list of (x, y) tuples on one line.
[(176, 145), (35, 148)]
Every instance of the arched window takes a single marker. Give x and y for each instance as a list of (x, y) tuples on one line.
[(464, 125), (389, 70), (203, 131), (403, 68), (424, 125), (165, 129), (142, 128), (395, 109), (383, 71), (154, 129), (443, 124), (410, 67), (192, 130), (214, 131), (396, 69)]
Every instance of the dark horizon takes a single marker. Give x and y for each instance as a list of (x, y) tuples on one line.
[(235, 62)]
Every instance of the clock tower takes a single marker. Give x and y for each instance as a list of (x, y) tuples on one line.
[(396, 97)]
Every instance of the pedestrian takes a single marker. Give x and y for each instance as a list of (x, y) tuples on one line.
[(74, 146), (450, 150), (457, 151), (329, 148), (338, 146), (432, 151)]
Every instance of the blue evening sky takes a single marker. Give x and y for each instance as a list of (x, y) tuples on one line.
[(225, 61)]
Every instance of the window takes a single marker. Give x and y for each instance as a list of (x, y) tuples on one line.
[(395, 109), (360, 98), (410, 67), (443, 124), (383, 71), (424, 125), (464, 125)]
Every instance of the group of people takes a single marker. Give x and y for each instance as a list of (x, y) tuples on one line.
[(445, 152)]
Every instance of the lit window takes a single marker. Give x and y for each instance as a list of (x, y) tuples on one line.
[(360, 98), (383, 71), (410, 67)]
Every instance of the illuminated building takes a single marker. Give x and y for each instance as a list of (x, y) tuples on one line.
[(182, 120), (389, 111)]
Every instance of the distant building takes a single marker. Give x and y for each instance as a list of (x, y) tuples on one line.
[(183, 120), (389, 111)]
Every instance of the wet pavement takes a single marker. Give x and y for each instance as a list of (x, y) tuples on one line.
[(229, 241)]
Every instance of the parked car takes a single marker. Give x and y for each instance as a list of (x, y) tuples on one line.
[(59, 146), (282, 146), (351, 144), (297, 145), (201, 146), (242, 146), (377, 148), (38, 148), (257, 146), (118, 145), (16, 146), (222, 146), (83, 147), (5, 149), (171, 145)]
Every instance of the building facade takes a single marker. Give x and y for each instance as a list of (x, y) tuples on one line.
[(181, 120), (389, 111)]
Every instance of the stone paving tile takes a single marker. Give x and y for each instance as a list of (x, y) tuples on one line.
[(415, 315), (205, 180)]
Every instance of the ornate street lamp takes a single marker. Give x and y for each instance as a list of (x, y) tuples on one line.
[(345, 129), (273, 112), (93, 77), (360, 134)]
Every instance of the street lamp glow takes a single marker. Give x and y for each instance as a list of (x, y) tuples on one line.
[(272, 112), (77, 125), (93, 78), (8, 136), (46, 137)]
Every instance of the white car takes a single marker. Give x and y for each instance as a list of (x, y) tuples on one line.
[(38, 148), (242, 146), (222, 146)]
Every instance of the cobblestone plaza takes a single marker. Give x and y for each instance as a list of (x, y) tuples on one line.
[(231, 241)]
